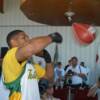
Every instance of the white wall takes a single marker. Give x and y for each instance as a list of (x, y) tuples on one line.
[(67, 49), (13, 18)]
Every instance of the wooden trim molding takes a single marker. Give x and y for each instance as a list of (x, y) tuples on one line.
[(1, 6)]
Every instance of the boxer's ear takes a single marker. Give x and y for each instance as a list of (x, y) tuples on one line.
[(13, 43), (39, 53)]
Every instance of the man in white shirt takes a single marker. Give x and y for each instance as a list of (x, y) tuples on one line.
[(77, 73), (59, 73)]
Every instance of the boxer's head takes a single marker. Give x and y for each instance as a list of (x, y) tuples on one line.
[(16, 38)]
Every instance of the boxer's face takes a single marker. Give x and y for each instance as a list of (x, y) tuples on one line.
[(19, 40)]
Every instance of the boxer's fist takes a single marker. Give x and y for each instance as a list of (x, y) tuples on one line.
[(45, 54), (56, 37)]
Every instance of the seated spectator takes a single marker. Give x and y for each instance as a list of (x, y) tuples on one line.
[(48, 95), (59, 73), (46, 89), (69, 64), (76, 72), (94, 89)]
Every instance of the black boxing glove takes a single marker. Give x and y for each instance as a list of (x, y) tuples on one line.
[(56, 37), (43, 86), (45, 54)]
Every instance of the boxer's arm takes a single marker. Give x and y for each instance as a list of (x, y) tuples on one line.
[(49, 71), (49, 65), (35, 45)]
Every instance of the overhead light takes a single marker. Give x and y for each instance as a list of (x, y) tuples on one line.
[(69, 14)]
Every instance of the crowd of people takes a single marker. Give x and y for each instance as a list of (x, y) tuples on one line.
[(73, 73)]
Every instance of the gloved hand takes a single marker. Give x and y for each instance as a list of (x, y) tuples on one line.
[(56, 37), (45, 54), (43, 85)]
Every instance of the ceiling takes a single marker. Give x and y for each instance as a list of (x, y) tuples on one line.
[(51, 12)]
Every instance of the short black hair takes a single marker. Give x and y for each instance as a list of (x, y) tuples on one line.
[(74, 58), (59, 63), (11, 35), (69, 60), (82, 63)]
